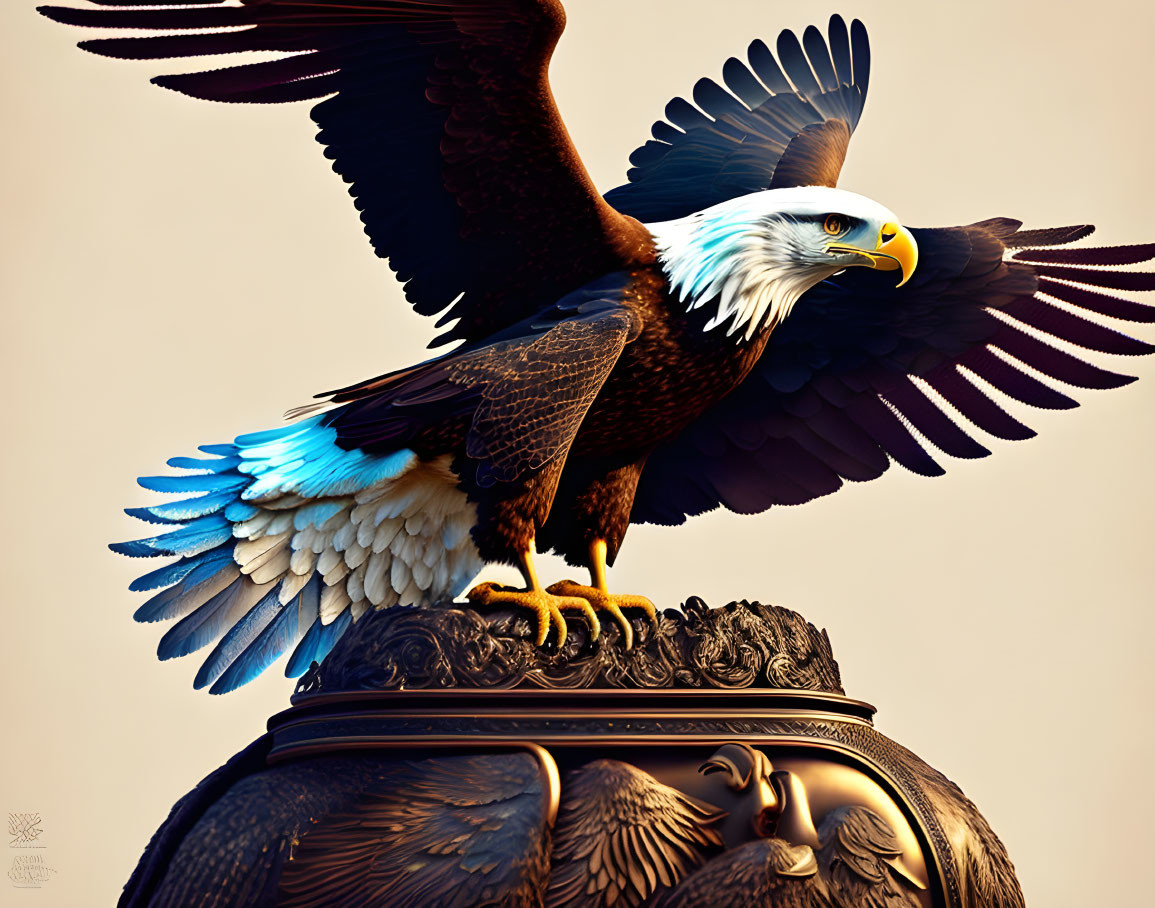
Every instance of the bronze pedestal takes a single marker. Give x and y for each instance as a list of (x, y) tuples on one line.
[(438, 758)]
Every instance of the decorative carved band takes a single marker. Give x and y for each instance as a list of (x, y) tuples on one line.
[(741, 645), (321, 724)]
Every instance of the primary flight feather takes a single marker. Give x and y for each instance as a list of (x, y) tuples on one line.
[(727, 328)]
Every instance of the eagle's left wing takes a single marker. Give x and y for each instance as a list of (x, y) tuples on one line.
[(292, 533), (860, 362)]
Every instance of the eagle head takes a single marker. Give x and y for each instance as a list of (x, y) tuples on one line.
[(754, 256)]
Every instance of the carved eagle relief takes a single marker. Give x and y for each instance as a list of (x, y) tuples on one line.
[(850, 867), (622, 835)]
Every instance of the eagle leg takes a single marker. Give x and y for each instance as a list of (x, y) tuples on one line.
[(599, 596), (546, 605)]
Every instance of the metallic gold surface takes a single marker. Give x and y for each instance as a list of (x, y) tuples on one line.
[(623, 836), (787, 766), (551, 777)]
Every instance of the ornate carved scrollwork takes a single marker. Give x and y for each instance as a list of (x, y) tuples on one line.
[(738, 646)]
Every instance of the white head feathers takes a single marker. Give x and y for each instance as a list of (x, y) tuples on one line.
[(755, 255)]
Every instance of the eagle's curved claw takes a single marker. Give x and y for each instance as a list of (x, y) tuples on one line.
[(546, 605), (608, 602)]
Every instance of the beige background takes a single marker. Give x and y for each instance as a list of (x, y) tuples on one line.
[(177, 272)]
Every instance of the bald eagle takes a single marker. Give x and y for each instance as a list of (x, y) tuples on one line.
[(728, 328)]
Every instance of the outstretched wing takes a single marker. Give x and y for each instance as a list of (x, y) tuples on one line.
[(775, 126), (441, 119), (859, 364), (293, 533), (450, 831), (622, 835)]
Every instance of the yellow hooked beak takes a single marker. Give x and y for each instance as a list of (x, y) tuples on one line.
[(895, 250)]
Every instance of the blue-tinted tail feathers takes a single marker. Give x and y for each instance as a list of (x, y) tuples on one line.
[(284, 537), (205, 587)]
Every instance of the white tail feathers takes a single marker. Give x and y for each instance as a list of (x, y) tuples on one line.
[(288, 538), (403, 541)]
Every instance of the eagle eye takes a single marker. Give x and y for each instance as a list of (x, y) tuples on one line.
[(834, 224)]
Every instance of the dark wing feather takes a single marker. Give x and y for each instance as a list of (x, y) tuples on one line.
[(762, 872), (771, 126), (140, 890), (860, 366), (544, 386), (522, 395), (227, 842), (452, 831), (441, 119), (859, 861), (621, 836)]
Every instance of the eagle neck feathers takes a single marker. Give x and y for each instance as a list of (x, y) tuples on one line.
[(751, 268)]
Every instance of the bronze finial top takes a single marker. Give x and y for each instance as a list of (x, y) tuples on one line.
[(743, 645)]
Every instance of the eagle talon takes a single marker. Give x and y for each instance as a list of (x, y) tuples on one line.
[(546, 606), (603, 601)]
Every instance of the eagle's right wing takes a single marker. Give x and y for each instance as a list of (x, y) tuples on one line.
[(776, 123)]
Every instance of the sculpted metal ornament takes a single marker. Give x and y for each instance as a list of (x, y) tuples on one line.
[(440, 757)]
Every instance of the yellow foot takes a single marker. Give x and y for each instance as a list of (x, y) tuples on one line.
[(608, 602), (547, 607)]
